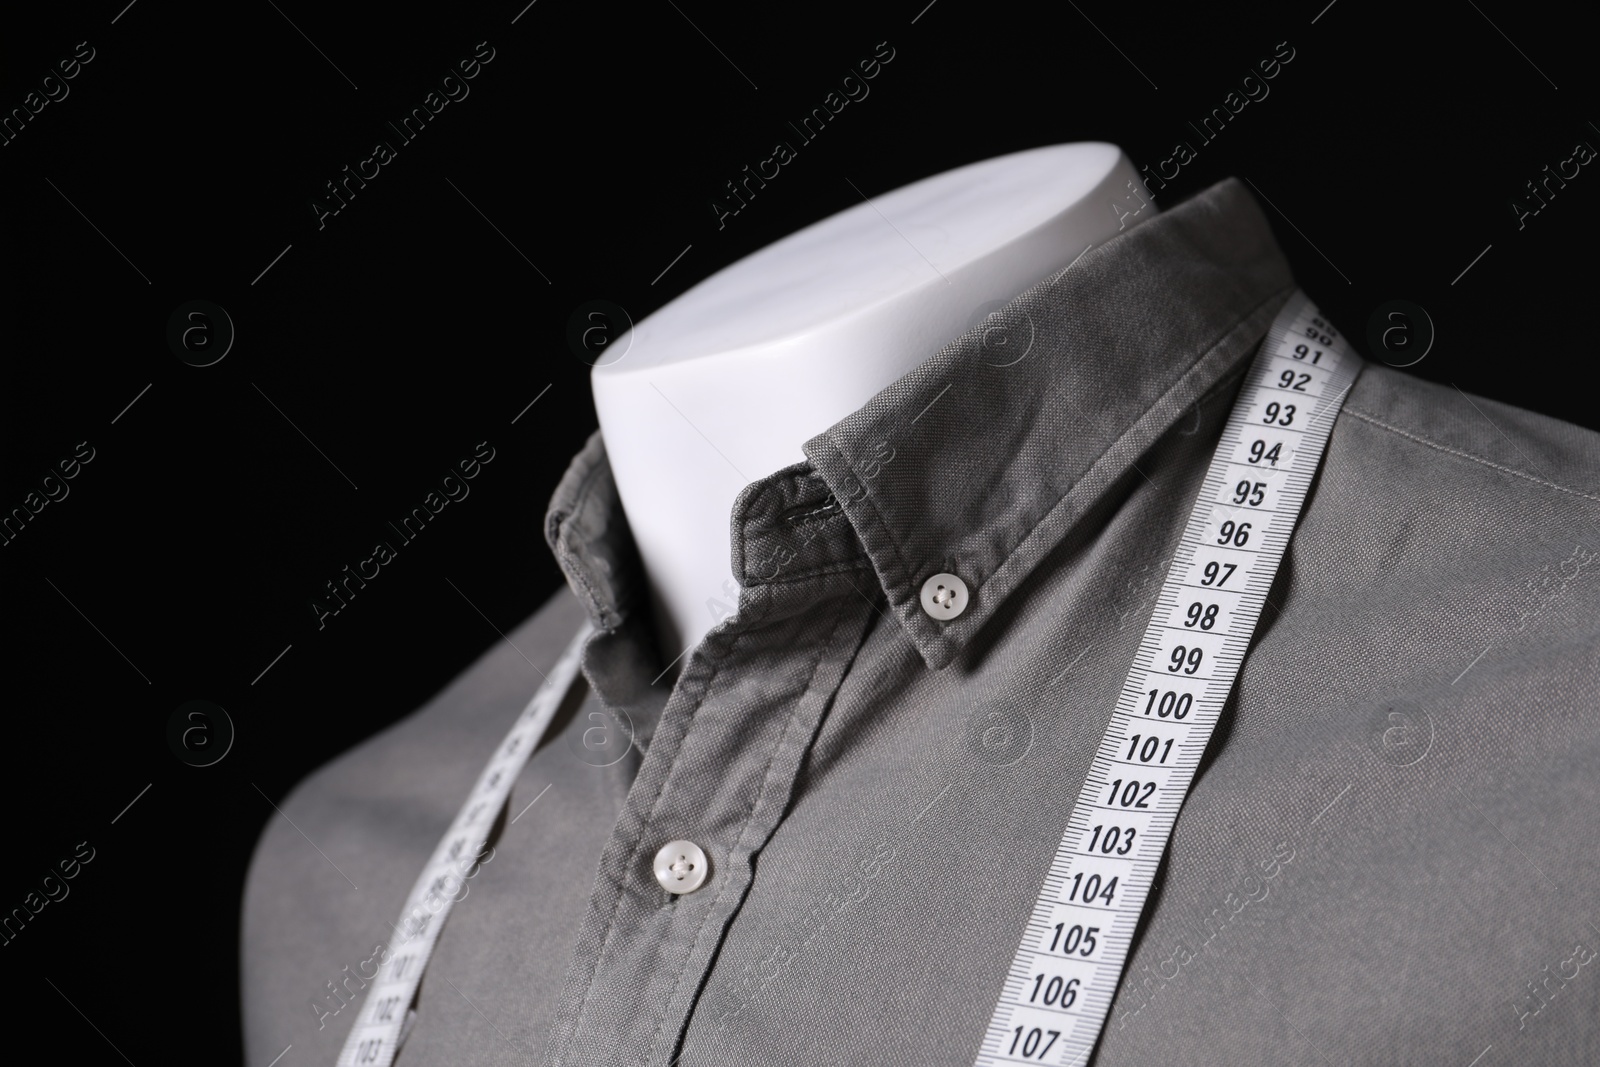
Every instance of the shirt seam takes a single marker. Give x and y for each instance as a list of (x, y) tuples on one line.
[(766, 784), (579, 499), (861, 564), (1467, 455), (902, 580), (831, 505)]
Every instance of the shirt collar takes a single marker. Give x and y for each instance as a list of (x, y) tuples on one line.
[(987, 455)]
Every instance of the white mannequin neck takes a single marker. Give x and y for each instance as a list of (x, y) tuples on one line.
[(721, 387)]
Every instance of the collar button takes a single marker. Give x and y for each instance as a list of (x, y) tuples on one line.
[(944, 596)]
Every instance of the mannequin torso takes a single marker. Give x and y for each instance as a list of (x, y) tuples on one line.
[(723, 385)]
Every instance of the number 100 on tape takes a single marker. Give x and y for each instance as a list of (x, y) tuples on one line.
[(1064, 976)]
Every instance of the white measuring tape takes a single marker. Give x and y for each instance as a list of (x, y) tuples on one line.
[(385, 1016), (1065, 973)]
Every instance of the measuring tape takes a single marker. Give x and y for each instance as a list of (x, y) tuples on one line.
[(386, 1014), (1065, 973)]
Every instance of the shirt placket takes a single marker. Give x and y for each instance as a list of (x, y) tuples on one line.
[(717, 776)]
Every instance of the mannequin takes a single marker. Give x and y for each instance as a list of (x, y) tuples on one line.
[(722, 386)]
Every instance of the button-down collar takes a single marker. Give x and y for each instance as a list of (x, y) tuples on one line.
[(985, 457)]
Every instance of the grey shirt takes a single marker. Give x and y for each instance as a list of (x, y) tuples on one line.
[(1389, 854)]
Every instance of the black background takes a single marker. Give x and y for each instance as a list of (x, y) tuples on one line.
[(415, 324)]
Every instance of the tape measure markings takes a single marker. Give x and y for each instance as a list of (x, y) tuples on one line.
[(1064, 975), (385, 1018)]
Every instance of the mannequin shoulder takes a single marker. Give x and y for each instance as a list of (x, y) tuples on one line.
[(337, 855)]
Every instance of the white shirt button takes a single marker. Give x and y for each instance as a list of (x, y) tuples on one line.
[(944, 596), (681, 867)]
